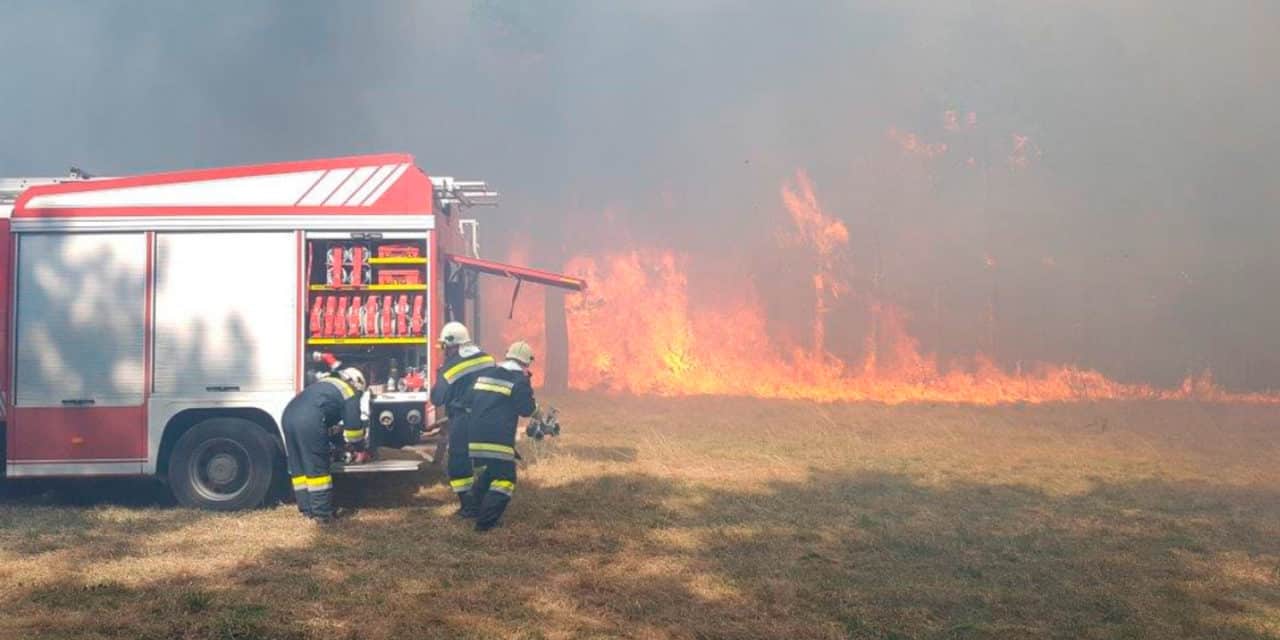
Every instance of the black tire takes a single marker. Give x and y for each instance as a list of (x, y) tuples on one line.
[(222, 464)]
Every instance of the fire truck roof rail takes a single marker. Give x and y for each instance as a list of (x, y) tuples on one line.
[(11, 188), (468, 193)]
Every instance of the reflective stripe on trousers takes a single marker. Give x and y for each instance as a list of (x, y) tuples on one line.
[(506, 487), (492, 450), (319, 483)]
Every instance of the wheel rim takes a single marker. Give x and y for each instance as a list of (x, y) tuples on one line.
[(219, 469)]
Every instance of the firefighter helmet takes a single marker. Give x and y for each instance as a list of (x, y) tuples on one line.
[(353, 377), (521, 352), (454, 334)]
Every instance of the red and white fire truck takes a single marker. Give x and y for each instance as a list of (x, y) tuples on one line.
[(158, 324)]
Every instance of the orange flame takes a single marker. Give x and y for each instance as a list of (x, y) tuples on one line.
[(827, 236), (637, 330)]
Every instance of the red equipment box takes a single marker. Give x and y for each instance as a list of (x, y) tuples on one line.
[(399, 276), (397, 251)]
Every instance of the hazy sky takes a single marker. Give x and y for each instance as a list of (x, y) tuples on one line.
[(1135, 232)]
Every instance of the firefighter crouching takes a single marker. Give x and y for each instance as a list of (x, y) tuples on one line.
[(499, 398), (307, 420), (464, 362)]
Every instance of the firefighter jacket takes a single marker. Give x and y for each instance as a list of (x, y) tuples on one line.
[(454, 378), (500, 397), (335, 401)]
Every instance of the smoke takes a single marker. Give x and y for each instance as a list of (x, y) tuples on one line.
[(1111, 202)]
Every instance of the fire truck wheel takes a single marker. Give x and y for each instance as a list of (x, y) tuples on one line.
[(222, 464)]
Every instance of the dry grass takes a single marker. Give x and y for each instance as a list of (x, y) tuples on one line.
[(710, 518)]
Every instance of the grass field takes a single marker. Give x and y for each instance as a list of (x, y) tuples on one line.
[(713, 518)]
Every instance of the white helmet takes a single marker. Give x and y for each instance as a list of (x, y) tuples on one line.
[(353, 377), (454, 334), (521, 352)]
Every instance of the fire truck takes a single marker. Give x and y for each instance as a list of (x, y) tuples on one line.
[(159, 324)]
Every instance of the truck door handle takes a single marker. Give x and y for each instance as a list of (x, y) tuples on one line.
[(78, 402), (223, 387)]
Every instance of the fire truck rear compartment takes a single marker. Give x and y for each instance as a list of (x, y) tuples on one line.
[(368, 304)]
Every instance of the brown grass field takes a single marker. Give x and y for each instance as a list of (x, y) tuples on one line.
[(712, 518)]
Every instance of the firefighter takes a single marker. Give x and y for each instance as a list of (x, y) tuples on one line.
[(307, 420), (500, 397), (464, 361)]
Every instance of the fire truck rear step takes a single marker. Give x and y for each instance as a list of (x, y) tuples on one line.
[(428, 451), (379, 466)]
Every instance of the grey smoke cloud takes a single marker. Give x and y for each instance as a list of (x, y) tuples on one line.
[(1138, 240)]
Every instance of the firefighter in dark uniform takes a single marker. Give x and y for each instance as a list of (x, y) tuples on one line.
[(307, 420), (464, 362), (499, 398)]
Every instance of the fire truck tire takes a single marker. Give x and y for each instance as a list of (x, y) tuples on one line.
[(222, 464)]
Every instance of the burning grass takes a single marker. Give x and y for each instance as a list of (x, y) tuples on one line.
[(640, 328), (715, 517)]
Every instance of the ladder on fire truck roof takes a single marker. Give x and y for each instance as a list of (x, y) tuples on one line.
[(468, 193)]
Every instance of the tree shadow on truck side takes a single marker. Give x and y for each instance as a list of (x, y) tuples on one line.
[(82, 294)]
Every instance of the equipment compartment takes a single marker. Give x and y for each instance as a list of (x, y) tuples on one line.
[(367, 304), (355, 298)]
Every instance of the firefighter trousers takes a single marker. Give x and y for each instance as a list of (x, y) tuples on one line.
[(307, 453), (494, 484), (461, 476)]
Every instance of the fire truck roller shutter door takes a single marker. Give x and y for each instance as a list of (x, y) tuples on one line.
[(80, 324), (225, 312)]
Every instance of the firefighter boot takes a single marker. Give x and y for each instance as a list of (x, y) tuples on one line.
[(472, 500), (500, 481), (301, 496), (468, 498), (320, 489), (494, 503), (468, 505)]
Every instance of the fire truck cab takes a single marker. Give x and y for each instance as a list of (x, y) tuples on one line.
[(159, 324)]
